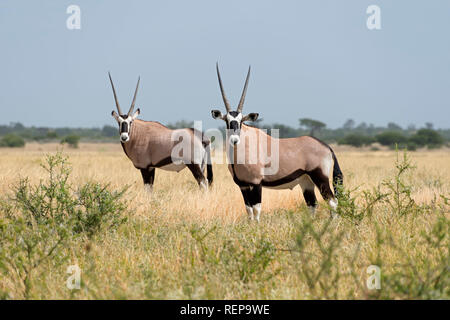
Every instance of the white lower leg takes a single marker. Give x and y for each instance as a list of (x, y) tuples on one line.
[(257, 211), (333, 203), (148, 188), (249, 212), (204, 185), (312, 209)]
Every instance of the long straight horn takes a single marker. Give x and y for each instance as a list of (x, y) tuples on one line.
[(227, 104), (134, 98), (244, 92), (115, 96)]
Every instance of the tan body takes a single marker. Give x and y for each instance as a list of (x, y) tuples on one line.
[(296, 155), (151, 145), (257, 160)]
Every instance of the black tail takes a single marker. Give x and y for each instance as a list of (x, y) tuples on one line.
[(209, 171), (338, 177)]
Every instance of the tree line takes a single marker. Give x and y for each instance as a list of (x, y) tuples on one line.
[(350, 133)]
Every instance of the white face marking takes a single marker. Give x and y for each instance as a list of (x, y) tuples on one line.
[(124, 136), (238, 118)]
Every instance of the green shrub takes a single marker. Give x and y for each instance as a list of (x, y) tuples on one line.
[(427, 137), (356, 140), (391, 138), (71, 140), (39, 220), (12, 141)]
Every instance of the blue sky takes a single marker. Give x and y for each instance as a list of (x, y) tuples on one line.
[(309, 58)]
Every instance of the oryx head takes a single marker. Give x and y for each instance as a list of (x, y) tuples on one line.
[(124, 120), (233, 119)]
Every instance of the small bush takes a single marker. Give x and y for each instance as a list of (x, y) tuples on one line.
[(71, 140), (391, 138), (12, 141), (39, 220), (356, 140), (427, 137)]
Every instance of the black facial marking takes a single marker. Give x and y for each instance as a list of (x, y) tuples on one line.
[(234, 125), (124, 127)]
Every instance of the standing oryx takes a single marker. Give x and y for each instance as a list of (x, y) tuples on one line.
[(302, 160), (151, 145)]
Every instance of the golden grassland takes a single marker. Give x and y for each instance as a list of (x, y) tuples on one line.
[(181, 243)]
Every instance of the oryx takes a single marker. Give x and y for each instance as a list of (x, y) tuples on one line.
[(302, 160), (150, 145)]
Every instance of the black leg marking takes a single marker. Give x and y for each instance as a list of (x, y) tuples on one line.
[(322, 182), (246, 195), (197, 173), (255, 194), (148, 175), (310, 198)]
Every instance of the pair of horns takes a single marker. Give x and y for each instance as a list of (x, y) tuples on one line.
[(117, 101), (244, 92)]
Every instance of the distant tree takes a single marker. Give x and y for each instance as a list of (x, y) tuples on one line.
[(411, 127), (394, 127), (51, 134), (71, 140), (181, 124), (362, 126), (17, 126), (427, 137), (349, 124), (109, 131), (312, 125), (356, 140), (390, 138), (12, 141), (285, 131), (429, 125)]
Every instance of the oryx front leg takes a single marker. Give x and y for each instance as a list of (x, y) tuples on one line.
[(148, 176), (248, 206), (255, 200)]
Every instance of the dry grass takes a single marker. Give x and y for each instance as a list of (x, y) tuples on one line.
[(155, 255)]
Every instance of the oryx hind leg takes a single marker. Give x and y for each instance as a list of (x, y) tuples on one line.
[(198, 175), (308, 192), (322, 181)]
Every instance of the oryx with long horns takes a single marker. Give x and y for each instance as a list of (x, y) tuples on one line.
[(150, 145), (304, 161)]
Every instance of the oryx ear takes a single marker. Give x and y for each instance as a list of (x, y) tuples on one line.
[(115, 115), (251, 117), (216, 114), (135, 115)]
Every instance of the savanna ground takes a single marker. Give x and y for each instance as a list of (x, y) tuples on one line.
[(181, 243)]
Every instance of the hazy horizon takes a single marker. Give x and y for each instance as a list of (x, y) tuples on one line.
[(310, 59)]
